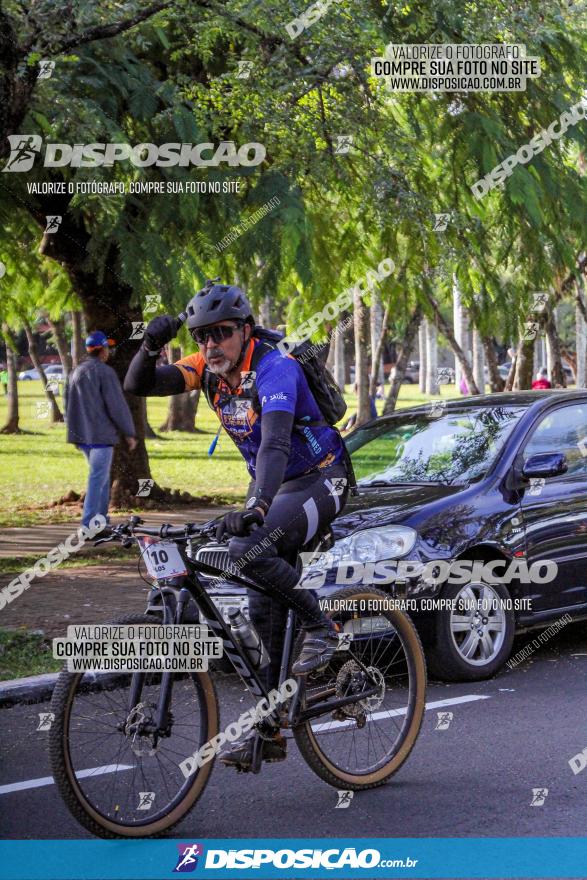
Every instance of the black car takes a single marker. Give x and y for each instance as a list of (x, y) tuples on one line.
[(495, 483)]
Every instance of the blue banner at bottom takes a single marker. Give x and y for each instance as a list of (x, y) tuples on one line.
[(271, 858)]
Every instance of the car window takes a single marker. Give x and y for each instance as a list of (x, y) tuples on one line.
[(454, 447), (562, 430)]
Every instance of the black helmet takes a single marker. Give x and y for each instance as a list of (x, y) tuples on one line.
[(218, 302)]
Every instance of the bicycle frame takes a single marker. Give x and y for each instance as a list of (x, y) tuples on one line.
[(194, 588)]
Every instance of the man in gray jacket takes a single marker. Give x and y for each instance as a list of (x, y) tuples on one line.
[(96, 412)]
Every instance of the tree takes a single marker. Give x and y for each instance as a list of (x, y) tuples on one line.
[(361, 315), (404, 352), (47, 387), (77, 338), (12, 421), (431, 357)]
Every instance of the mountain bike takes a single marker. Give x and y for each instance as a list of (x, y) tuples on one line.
[(118, 738)]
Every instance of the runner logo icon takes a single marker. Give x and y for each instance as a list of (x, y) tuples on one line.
[(23, 151), (187, 860)]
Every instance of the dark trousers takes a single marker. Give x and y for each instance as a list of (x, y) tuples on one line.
[(302, 507)]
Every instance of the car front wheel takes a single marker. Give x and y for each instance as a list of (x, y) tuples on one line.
[(474, 636)]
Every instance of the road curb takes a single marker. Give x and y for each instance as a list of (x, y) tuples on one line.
[(32, 689)]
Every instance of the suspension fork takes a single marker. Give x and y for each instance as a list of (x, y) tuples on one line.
[(164, 700), (138, 678)]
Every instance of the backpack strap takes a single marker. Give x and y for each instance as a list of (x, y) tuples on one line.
[(262, 347)]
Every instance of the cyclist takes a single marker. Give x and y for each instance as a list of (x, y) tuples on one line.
[(299, 476)]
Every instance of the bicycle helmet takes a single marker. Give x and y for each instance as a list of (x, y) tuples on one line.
[(218, 302)]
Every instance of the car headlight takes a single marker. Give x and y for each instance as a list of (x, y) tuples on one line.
[(369, 545)]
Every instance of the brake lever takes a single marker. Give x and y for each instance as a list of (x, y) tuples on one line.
[(103, 540)]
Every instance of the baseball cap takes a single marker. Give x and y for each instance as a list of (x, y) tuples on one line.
[(97, 339)]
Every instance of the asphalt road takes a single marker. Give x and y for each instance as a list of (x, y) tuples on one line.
[(475, 778)]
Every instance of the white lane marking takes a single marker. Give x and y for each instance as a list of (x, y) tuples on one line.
[(48, 780), (393, 713), (337, 725)]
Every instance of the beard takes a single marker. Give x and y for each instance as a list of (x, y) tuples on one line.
[(220, 368)]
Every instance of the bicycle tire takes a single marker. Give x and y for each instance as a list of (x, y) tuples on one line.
[(64, 776), (305, 738)]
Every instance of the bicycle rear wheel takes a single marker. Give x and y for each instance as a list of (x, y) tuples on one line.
[(116, 779), (362, 744)]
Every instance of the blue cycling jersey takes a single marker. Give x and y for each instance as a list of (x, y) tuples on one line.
[(282, 387)]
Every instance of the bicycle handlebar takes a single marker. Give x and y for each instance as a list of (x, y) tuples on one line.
[(125, 532), (135, 526)]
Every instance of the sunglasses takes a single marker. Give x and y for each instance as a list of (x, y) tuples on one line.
[(217, 334)]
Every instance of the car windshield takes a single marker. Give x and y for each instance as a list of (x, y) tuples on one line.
[(431, 447)]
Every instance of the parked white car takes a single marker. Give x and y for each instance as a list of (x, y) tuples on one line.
[(52, 371)]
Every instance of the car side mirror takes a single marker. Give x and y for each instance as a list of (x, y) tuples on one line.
[(545, 464)]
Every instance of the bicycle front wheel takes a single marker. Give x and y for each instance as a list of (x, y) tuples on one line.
[(116, 775), (362, 744)]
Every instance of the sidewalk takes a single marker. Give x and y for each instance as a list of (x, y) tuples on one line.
[(37, 540), (79, 595)]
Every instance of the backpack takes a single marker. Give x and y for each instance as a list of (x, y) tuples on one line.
[(324, 389)]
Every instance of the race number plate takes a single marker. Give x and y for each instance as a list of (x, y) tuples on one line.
[(163, 560)]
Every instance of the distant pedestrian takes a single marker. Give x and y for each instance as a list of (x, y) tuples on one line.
[(96, 412), (541, 382), (4, 379), (463, 387)]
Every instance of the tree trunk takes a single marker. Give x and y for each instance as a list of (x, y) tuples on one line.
[(376, 321), (78, 349), (553, 350), (403, 356), (509, 382), (457, 323), (58, 330), (339, 371), (524, 364), (496, 383), (478, 361), (581, 330), (330, 357), (422, 356), (462, 333), (448, 334), (361, 317), (105, 300), (12, 421), (377, 359), (34, 353), (431, 358), (265, 312), (181, 415)]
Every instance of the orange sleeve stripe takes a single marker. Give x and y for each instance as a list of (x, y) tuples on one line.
[(192, 368)]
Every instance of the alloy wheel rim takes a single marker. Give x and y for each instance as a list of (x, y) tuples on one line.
[(478, 624)]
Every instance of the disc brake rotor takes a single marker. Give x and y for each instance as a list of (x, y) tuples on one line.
[(375, 700), (351, 680), (142, 742)]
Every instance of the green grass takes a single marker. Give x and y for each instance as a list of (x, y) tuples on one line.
[(25, 653), (17, 564), (39, 467)]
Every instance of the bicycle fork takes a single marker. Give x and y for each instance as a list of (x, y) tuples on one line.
[(160, 724)]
